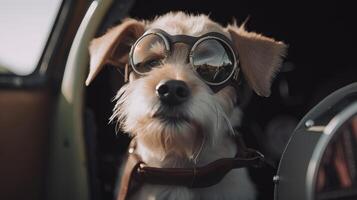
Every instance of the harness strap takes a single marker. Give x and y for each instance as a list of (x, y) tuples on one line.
[(136, 172)]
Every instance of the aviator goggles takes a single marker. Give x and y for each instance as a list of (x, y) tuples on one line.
[(211, 55)]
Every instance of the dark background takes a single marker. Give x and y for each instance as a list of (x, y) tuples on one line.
[(321, 59)]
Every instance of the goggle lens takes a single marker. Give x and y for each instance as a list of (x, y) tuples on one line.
[(213, 61), (148, 52)]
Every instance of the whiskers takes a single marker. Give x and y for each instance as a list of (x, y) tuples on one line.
[(182, 131)]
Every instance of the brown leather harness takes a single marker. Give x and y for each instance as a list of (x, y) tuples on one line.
[(137, 172)]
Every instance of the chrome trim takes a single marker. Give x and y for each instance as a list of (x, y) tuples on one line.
[(68, 175), (321, 145)]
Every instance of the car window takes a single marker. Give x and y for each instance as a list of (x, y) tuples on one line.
[(24, 30)]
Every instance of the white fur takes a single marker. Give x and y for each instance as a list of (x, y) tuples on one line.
[(206, 134), (206, 138)]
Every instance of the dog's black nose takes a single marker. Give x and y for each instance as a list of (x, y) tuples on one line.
[(172, 92)]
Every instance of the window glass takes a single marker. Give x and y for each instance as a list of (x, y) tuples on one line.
[(25, 26)]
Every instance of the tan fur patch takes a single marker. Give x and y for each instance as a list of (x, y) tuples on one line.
[(260, 57)]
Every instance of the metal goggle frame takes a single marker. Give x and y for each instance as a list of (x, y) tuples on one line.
[(198, 46)]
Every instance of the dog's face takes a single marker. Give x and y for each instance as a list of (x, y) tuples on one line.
[(167, 104)]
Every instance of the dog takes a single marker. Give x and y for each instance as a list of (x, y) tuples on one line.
[(177, 103)]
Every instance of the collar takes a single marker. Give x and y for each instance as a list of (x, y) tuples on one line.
[(137, 172)]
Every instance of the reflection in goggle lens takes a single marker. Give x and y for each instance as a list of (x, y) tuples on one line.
[(213, 61)]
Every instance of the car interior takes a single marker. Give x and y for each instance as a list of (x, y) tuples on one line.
[(319, 61), (65, 138)]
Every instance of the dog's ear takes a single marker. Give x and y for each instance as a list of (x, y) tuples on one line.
[(113, 47), (260, 57)]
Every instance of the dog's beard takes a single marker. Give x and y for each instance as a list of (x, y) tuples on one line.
[(181, 130)]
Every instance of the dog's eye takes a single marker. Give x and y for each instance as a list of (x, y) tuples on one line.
[(149, 63), (152, 63)]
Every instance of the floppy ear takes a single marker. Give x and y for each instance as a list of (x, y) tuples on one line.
[(260, 57), (113, 47)]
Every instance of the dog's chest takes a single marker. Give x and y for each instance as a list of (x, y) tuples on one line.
[(235, 185)]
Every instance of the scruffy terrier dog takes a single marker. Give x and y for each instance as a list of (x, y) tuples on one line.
[(179, 103)]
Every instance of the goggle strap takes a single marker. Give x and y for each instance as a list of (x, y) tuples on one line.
[(114, 62), (118, 66), (127, 72), (236, 73)]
